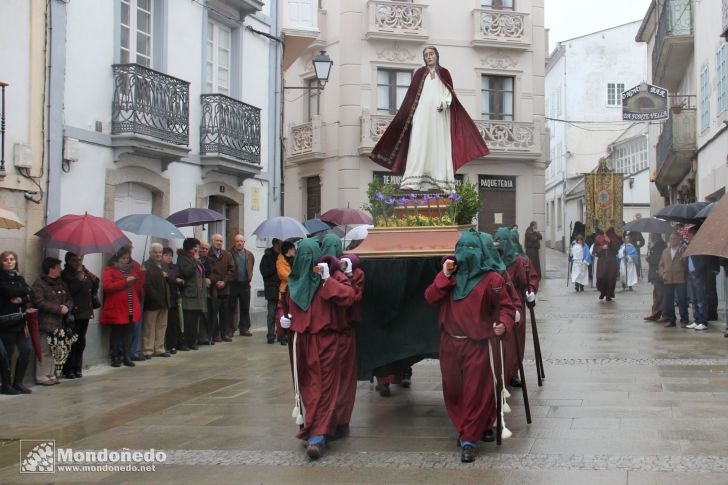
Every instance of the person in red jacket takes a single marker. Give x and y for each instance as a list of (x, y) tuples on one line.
[(332, 247), (123, 285), (474, 309), (319, 295)]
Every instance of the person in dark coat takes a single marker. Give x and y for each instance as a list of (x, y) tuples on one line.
[(194, 289), (174, 337), (638, 241), (474, 308), (14, 300), (533, 245), (123, 284), (271, 282), (205, 333), (711, 290), (655, 248), (54, 302), (158, 282), (83, 286), (606, 247), (222, 272)]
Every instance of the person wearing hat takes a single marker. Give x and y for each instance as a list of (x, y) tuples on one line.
[(474, 308), (317, 301), (349, 264)]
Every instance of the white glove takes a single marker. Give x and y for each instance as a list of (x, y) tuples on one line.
[(324, 271), (286, 321), (349, 267), (518, 316), (530, 296)]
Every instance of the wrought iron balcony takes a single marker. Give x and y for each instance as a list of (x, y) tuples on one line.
[(149, 103), (506, 139), (676, 147), (501, 28), (305, 141), (396, 20), (673, 43), (230, 127)]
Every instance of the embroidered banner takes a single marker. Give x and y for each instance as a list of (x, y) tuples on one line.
[(603, 199)]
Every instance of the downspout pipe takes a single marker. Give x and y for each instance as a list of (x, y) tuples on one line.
[(56, 91)]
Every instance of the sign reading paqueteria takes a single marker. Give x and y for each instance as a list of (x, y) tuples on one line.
[(497, 182), (645, 102)]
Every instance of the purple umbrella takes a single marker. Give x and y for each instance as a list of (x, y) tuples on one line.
[(195, 217)]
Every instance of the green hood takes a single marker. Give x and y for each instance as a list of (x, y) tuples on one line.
[(507, 249), (331, 245), (474, 261), (303, 282), (517, 243)]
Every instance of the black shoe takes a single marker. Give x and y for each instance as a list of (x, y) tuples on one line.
[(227, 339), (194, 347), (129, 363), (22, 389), (10, 390), (147, 357), (173, 351), (271, 340), (69, 375), (204, 342), (184, 349), (137, 358), (283, 341), (115, 363), (468, 454), (163, 354), (342, 431), (609, 299), (383, 390), (515, 382), (489, 436), (601, 297), (406, 383), (315, 451)]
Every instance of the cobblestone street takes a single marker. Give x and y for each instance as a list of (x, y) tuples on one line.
[(624, 401)]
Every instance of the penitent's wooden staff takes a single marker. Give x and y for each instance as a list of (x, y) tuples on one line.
[(540, 374), (498, 380), (521, 373)]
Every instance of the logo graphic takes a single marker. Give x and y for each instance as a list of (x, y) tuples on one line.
[(37, 456)]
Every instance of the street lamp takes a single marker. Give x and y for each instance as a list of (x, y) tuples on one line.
[(322, 64)]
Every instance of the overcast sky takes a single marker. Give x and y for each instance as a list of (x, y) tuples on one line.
[(567, 19)]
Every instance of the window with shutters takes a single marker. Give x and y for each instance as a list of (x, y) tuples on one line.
[(392, 87), (135, 39), (497, 97), (217, 63)]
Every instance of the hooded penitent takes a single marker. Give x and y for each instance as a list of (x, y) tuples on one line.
[(507, 250), (303, 282), (474, 261), (331, 245), (517, 243)]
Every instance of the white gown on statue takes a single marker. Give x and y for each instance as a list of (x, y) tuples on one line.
[(579, 268), (429, 158)]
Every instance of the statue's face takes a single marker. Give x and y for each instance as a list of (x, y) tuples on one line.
[(430, 57)]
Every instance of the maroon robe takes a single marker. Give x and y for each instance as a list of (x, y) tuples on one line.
[(531, 275), (347, 353), (318, 330), (392, 148), (518, 281), (467, 379), (607, 266)]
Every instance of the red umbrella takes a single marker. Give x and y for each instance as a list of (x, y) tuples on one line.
[(83, 234), (346, 217)]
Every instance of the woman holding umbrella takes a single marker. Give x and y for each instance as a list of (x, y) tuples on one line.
[(14, 298), (123, 289), (54, 302)]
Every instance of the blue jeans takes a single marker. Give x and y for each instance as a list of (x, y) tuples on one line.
[(668, 302), (697, 286), (136, 339)]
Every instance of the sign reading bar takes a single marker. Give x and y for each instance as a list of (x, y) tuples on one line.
[(389, 178), (497, 182), (645, 102)]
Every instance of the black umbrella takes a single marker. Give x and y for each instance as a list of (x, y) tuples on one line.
[(649, 224), (681, 212), (195, 217), (705, 211)]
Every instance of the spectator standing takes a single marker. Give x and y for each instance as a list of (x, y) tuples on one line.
[(240, 285), (284, 263), (533, 245), (194, 292), (157, 287), (84, 288), (123, 284), (271, 284), (672, 270), (14, 300), (174, 337), (655, 248), (204, 336), (53, 301), (222, 272)]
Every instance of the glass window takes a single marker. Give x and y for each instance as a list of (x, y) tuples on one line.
[(497, 4), (392, 87), (497, 97), (135, 32), (614, 94), (217, 62), (721, 81), (704, 100), (313, 98)]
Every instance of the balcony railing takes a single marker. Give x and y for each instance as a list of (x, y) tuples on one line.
[(396, 20), (230, 127), (676, 20), (504, 138), (676, 146), (501, 27), (147, 102), (305, 141)]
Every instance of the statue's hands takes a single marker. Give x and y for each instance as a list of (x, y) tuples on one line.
[(439, 107)]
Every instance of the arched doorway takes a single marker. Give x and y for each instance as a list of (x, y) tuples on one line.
[(131, 198)]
